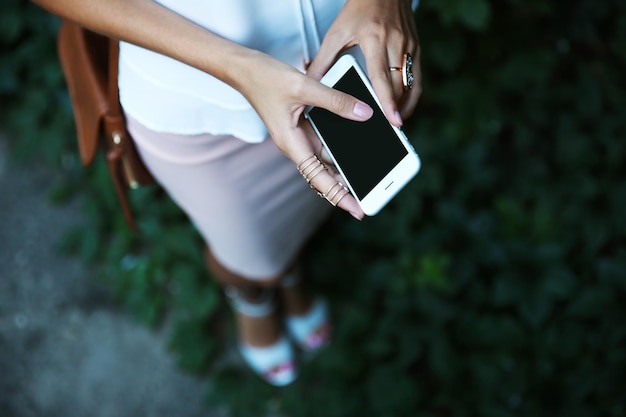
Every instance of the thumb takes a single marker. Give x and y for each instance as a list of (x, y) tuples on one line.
[(340, 103)]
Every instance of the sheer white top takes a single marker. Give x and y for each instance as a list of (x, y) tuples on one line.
[(168, 96)]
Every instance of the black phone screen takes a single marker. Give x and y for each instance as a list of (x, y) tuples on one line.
[(365, 151)]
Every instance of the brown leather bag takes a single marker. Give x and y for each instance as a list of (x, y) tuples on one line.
[(90, 65)]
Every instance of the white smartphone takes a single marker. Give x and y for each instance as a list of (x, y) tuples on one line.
[(375, 158)]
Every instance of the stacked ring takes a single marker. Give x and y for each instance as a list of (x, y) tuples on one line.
[(335, 193), (310, 168)]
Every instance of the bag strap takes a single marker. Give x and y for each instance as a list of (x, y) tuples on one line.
[(116, 138), (114, 92)]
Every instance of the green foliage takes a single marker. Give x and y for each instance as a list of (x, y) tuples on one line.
[(33, 97), (494, 285)]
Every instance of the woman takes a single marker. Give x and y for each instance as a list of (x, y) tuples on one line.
[(203, 84)]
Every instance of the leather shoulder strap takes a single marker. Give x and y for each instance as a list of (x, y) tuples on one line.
[(114, 92)]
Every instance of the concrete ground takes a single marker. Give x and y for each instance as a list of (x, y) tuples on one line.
[(66, 349)]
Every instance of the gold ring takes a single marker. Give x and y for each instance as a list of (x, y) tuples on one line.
[(335, 193), (407, 71), (310, 167)]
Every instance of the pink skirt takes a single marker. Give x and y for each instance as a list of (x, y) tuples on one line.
[(248, 201)]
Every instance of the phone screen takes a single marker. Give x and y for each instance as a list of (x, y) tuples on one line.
[(365, 151)]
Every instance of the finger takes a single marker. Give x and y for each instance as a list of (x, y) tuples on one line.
[(380, 77), (413, 95), (319, 176), (317, 144), (398, 46), (397, 84), (330, 185), (326, 56), (338, 102)]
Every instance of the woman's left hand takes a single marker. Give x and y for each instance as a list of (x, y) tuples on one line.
[(385, 30)]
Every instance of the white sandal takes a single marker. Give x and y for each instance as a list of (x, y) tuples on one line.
[(274, 363), (312, 330)]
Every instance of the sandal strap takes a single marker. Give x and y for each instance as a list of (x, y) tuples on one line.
[(274, 363), (302, 328), (262, 308)]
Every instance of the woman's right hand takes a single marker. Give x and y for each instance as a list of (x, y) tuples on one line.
[(280, 93)]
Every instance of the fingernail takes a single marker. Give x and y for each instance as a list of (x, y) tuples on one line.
[(398, 118), (362, 110), (356, 216)]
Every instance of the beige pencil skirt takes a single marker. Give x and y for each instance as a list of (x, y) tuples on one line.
[(248, 201)]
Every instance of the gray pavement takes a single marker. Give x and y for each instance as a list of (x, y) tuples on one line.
[(66, 349)]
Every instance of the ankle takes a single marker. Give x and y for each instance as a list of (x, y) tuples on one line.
[(255, 314), (296, 301), (258, 332), (251, 301)]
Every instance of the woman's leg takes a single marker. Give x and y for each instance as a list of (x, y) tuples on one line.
[(257, 330), (251, 206), (297, 303)]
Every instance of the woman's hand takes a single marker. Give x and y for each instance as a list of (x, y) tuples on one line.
[(385, 30), (280, 93)]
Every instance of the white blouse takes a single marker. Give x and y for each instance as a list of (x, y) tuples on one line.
[(166, 95)]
